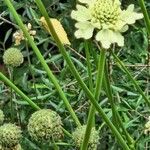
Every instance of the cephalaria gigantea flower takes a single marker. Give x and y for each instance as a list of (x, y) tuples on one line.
[(106, 17)]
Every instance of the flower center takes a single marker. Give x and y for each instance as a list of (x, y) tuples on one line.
[(105, 12)]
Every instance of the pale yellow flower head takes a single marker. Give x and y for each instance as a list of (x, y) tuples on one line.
[(58, 29), (106, 17)]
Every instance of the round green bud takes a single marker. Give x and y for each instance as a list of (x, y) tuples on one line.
[(10, 135), (78, 136), (1, 117), (45, 125), (13, 57)]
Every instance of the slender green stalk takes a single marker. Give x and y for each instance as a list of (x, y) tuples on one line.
[(78, 78), (9, 83), (116, 117), (87, 51), (40, 57), (67, 133), (132, 79), (91, 86), (30, 69), (11, 76), (99, 80), (146, 16), (110, 97)]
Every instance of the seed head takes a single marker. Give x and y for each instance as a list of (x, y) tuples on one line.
[(10, 135), (45, 125), (13, 57)]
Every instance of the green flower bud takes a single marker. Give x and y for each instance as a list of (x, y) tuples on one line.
[(10, 135), (1, 117), (45, 125), (13, 57), (78, 136)]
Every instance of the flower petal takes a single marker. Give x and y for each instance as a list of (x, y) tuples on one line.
[(117, 38), (103, 37), (81, 14), (129, 16), (85, 30), (108, 37)]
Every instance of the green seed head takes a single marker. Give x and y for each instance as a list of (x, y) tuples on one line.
[(78, 136), (10, 135), (13, 57), (45, 125), (1, 117)]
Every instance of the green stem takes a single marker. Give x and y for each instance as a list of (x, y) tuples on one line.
[(67, 133), (11, 71), (97, 91), (110, 97), (10, 84), (146, 16), (78, 78), (40, 57), (87, 51), (30, 69), (116, 117), (122, 66)]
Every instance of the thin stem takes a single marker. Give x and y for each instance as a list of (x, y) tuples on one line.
[(97, 91), (116, 117), (122, 66), (10, 84), (78, 78), (40, 57), (30, 69), (87, 51), (67, 133), (146, 16), (11, 70), (110, 97)]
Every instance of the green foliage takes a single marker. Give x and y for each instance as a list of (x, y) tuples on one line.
[(32, 79)]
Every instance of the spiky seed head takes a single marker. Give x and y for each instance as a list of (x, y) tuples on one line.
[(10, 135), (13, 57), (45, 125), (78, 136)]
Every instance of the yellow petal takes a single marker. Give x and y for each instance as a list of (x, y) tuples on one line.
[(61, 33)]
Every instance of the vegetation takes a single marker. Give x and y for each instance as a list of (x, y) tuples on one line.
[(74, 75)]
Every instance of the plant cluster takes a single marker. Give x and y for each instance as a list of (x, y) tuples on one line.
[(74, 75)]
